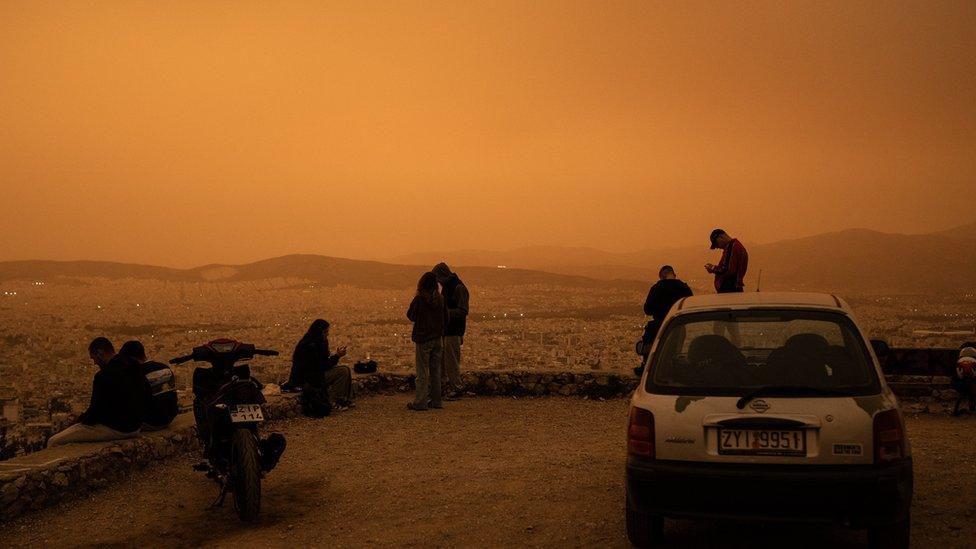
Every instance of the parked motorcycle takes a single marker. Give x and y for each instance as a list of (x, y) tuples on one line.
[(227, 407)]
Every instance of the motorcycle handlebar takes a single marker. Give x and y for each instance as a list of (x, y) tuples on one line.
[(265, 352)]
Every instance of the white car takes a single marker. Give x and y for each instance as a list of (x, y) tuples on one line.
[(770, 407)]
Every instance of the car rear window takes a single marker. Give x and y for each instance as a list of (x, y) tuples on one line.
[(736, 352)]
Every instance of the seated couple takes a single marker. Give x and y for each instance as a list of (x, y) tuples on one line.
[(129, 395)]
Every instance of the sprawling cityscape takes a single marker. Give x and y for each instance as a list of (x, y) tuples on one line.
[(45, 326)]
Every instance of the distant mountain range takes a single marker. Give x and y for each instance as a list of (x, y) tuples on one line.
[(328, 271), (853, 260), (850, 261)]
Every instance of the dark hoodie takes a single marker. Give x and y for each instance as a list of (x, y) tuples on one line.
[(121, 396), (429, 316), (312, 358)]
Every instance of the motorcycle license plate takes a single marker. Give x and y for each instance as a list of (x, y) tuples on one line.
[(246, 412), (762, 442)]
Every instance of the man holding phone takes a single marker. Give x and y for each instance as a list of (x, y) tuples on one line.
[(731, 269)]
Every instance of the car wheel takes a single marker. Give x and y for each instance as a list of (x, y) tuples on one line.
[(892, 536), (643, 529)]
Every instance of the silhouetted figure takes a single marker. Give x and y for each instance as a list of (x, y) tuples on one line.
[(429, 316), (730, 272), (667, 291), (964, 379), (456, 298), (119, 401), (164, 405), (316, 370)]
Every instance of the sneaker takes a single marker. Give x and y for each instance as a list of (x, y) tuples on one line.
[(452, 395), (415, 408), (346, 403)]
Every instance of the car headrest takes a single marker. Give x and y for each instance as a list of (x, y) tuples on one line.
[(713, 350), (807, 344)]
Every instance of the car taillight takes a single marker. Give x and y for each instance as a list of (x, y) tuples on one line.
[(889, 436), (640, 433)]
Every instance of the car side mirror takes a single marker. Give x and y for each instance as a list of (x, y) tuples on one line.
[(880, 347)]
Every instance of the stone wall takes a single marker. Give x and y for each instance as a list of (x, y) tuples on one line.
[(47, 477)]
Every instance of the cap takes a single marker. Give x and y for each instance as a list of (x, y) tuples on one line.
[(715, 234)]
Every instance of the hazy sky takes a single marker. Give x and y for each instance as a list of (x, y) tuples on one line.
[(181, 133)]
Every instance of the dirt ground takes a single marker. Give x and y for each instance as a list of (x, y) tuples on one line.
[(482, 472)]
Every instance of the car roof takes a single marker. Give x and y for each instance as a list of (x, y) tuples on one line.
[(748, 300)]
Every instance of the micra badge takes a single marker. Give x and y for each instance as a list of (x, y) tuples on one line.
[(680, 440), (759, 405)]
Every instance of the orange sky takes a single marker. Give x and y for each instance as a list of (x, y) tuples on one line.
[(182, 133)]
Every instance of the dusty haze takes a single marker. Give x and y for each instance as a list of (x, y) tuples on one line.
[(187, 133)]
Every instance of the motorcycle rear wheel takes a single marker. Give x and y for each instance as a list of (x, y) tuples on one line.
[(246, 475)]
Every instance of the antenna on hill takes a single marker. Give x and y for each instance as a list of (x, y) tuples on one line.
[(758, 282)]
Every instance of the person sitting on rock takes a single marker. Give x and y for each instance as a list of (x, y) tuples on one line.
[(964, 380), (120, 399), (325, 385), (164, 405)]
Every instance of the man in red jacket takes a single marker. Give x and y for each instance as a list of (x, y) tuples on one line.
[(731, 269)]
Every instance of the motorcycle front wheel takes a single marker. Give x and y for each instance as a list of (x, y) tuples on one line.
[(246, 475)]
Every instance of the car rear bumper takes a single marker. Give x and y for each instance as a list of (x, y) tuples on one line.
[(861, 495)]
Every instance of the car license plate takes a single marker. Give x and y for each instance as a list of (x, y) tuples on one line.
[(762, 442), (246, 412)]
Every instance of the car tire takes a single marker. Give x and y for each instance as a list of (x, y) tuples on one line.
[(643, 529), (893, 536)]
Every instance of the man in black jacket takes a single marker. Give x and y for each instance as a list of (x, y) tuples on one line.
[(667, 291), (456, 298), (120, 399), (164, 405)]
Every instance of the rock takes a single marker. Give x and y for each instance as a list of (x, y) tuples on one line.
[(949, 395), (60, 480), (9, 494), (568, 389)]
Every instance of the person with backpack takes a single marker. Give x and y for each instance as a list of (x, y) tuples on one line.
[(164, 406), (428, 312), (325, 385)]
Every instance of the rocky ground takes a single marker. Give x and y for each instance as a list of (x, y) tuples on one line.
[(481, 472)]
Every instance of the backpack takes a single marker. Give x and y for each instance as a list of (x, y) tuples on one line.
[(315, 401)]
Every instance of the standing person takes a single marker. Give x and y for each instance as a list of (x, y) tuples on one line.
[(119, 400), (456, 299), (164, 405), (730, 272), (667, 291), (317, 372), (429, 316)]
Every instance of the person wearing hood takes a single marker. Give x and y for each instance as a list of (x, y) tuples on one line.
[(428, 313), (120, 399), (456, 296), (316, 370)]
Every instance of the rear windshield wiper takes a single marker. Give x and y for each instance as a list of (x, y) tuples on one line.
[(786, 390)]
